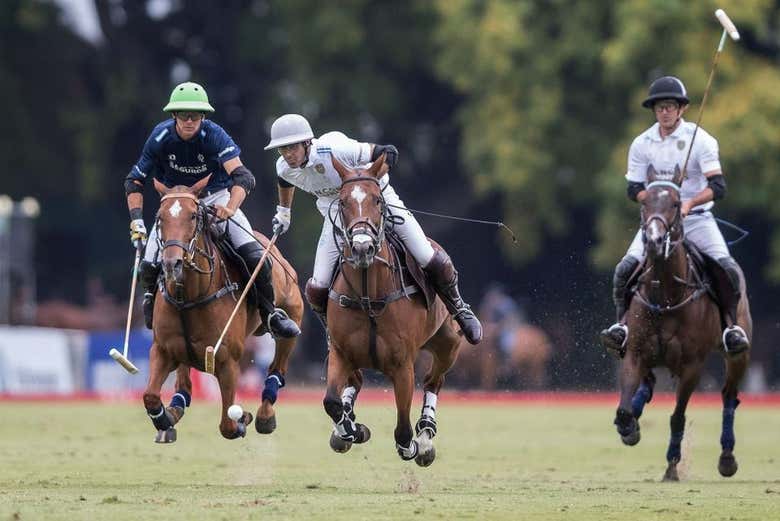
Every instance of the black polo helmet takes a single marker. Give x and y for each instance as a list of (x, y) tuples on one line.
[(666, 87)]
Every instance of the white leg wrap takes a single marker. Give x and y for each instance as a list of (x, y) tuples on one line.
[(345, 429), (408, 452), (348, 395), (429, 404)]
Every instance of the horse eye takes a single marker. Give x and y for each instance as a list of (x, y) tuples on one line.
[(193, 216)]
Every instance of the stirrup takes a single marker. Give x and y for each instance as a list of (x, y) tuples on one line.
[(742, 346), (608, 339)]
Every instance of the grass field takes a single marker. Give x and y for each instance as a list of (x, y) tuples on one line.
[(524, 461)]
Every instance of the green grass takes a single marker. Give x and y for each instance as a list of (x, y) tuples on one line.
[(98, 461)]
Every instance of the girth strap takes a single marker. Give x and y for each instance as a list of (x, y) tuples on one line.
[(182, 306), (368, 304)]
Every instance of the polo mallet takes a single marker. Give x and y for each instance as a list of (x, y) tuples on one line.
[(728, 29), (116, 355), (211, 352)]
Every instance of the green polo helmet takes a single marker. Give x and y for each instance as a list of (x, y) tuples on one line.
[(188, 96)]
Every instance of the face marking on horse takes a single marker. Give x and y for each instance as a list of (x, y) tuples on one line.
[(664, 193), (359, 195), (175, 209)]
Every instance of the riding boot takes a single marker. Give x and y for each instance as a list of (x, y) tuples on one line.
[(317, 298), (276, 319), (444, 276), (614, 338), (148, 272), (727, 289)]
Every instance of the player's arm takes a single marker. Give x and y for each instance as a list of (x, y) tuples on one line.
[(243, 183)]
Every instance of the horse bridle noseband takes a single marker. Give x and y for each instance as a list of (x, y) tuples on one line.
[(364, 225), (670, 228), (191, 249)]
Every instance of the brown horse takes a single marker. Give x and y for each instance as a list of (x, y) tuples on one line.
[(376, 321), (199, 293), (674, 322)]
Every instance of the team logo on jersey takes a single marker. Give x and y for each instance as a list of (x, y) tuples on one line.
[(200, 158), (171, 157), (680, 144), (320, 168)]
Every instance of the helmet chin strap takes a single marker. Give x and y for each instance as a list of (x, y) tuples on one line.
[(306, 148)]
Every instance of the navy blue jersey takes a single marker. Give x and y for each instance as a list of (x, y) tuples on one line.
[(174, 161)]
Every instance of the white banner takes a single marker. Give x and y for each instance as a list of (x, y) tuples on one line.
[(37, 360)]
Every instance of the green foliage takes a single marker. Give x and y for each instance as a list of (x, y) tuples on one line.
[(552, 101)]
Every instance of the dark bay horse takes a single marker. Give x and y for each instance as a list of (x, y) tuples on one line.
[(675, 323), (199, 293), (377, 321)]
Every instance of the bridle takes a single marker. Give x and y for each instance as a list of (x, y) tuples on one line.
[(692, 280), (191, 249), (363, 226), (673, 228)]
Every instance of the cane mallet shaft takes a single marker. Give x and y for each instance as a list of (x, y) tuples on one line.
[(211, 352), (121, 358), (728, 29)]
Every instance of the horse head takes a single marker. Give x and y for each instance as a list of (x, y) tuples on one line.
[(662, 228), (363, 210), (179, 223)]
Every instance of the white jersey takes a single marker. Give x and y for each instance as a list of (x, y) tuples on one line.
[(319, 177), (665, 153)]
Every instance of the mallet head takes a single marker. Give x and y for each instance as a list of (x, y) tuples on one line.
[(123, 361), (727, 24)]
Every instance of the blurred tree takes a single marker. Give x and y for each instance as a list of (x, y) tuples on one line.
[(553, 94)]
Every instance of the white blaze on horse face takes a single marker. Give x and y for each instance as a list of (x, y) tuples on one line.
[(655, 231), (175, 209), (359, 195)]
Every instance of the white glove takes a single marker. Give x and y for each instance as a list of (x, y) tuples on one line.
[(281, 222), (138, 233)]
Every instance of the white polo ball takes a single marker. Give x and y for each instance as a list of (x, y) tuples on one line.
[(235, 412)]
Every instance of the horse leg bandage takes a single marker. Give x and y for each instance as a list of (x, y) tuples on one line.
[(273, 383), (160, 419), (409, 452)]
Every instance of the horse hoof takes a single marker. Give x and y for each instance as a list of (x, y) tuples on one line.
[(671, 473), (265, 425), (364, 433), (425, 459), (727, 464), (339, 445), (166, 436), (632, 438)]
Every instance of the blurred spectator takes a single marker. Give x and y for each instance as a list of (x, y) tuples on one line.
[(513, 353), (101, 312)]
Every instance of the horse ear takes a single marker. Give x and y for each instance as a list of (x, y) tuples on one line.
[(678, 176), (161, 188), (343, 170), (651, 174), (200, 185), (377, 165)]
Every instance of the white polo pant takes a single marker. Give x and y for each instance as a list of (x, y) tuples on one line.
[(410, 232), (701, 229)]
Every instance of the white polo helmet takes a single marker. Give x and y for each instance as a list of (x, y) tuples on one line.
[(289, 129)]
